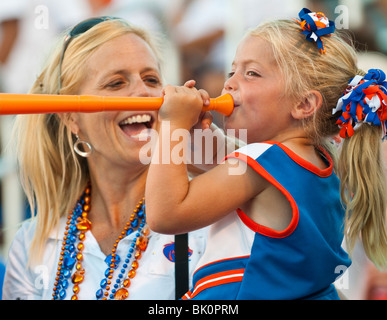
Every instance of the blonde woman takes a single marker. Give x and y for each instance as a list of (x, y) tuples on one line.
[(284, 241), (83, 176)]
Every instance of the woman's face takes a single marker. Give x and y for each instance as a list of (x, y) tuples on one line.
[(124, 66), (257, 87)]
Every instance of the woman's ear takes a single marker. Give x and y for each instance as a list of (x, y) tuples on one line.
[(308, 106), (70, 120)]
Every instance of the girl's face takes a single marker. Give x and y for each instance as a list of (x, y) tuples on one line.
[(124, 66), (257, 87)]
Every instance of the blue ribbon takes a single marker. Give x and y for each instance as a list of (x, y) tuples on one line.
[(303, 15), (377, 76)]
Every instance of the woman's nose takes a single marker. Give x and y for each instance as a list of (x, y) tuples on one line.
[(140, 89)]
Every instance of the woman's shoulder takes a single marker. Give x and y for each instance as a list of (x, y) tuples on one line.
[(19, 248), (26, 231)]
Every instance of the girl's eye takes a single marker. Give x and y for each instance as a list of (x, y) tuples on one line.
[(230, 74)]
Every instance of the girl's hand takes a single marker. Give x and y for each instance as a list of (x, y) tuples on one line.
[(205, 117), (182, 106), (204, 122)]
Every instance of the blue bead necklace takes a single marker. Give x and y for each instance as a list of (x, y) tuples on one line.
[(73, 244), (119, 291)]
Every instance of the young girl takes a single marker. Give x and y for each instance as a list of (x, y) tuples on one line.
[(284, 240)]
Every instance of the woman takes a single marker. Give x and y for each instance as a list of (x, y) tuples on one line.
[(83, 175)]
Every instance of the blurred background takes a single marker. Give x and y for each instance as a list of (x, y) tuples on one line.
[(200, 41)]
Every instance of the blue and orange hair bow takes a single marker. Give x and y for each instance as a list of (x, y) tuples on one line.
[(364, 101), (315, 25)]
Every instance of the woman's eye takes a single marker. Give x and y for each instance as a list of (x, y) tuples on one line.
[(152, 80), (252, 73), (115, 84)]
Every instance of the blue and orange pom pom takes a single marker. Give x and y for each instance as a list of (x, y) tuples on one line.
[(364, 101), (314, 26)]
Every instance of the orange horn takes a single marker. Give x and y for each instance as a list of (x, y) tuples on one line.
[(47, 103)]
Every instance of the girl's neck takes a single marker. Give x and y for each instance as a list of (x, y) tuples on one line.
[(304, 148)]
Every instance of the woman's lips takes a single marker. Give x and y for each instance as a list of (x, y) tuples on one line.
[(137, 126)]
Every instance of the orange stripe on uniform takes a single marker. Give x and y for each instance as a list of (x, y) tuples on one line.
[(217, 279)]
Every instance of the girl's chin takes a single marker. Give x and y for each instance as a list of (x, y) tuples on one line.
[(231, 124), (227, 123), (232, 129)]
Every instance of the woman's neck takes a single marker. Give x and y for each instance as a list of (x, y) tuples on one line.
[(114, 196)]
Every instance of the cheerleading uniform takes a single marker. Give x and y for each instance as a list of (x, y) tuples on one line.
[(245, 260)]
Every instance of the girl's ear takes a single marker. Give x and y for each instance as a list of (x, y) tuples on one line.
[(70, 120), (306, 108)]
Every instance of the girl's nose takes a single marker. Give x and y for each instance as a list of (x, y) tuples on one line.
[(230, 84)]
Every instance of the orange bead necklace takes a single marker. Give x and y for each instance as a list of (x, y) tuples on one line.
[(73, 244)]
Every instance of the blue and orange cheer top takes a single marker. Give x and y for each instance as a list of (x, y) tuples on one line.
[(245, 260)]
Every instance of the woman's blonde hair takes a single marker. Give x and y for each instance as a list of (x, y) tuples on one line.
[(360, 164), (52, 174)]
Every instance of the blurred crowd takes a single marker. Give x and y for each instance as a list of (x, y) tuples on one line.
[(197, 33), (199, 37)]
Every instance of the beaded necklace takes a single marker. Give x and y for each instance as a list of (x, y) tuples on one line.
[(73, 244)]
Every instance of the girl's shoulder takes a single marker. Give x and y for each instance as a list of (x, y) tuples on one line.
[(254, 150)]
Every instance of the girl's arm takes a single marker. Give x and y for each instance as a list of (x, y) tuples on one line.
[(209, 144), (177, 205)]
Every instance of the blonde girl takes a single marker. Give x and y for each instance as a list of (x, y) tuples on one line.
[(284, 240)]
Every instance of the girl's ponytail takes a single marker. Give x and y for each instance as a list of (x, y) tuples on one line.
[(361, 166)]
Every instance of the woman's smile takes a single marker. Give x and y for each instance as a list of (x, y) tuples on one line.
[(138, 126)]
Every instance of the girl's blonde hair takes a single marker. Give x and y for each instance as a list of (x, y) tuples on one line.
[(360, 164), (52, 174)]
